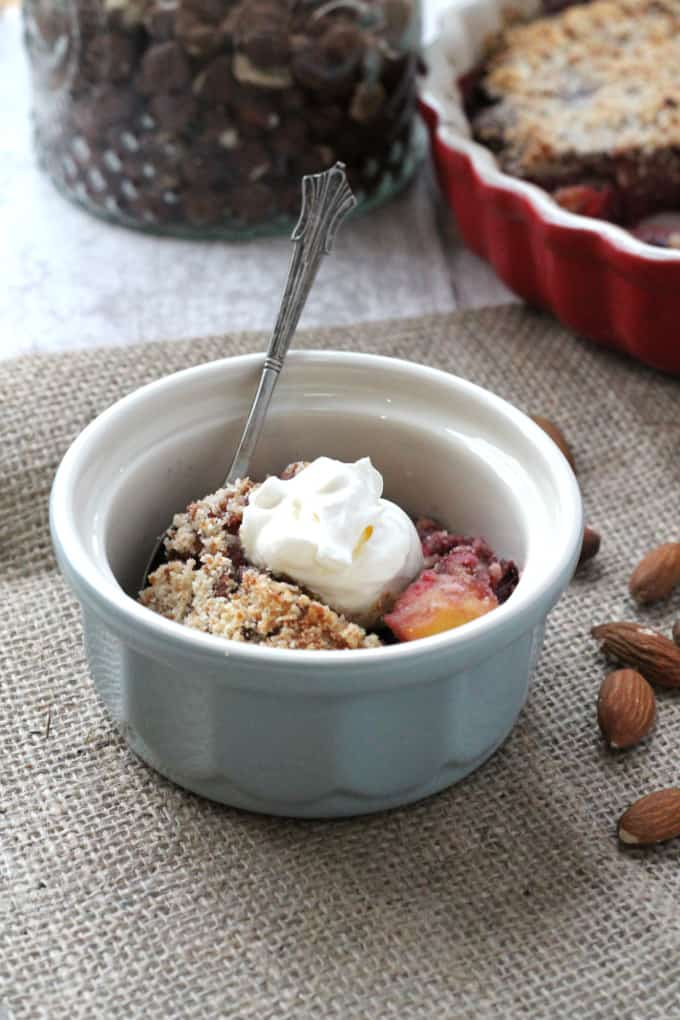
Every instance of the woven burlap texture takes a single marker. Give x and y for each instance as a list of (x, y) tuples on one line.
[(121, 896)]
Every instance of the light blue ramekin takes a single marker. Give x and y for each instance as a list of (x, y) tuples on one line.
[(314, 734)]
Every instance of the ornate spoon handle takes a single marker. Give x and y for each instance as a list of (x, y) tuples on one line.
[(326, 200)]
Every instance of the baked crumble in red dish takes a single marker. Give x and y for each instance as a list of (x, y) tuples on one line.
[(586, 104), (556, 138)]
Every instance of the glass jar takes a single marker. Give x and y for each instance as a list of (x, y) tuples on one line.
[(199, 117)]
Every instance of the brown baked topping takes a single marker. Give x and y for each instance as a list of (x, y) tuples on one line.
[(592, 92)]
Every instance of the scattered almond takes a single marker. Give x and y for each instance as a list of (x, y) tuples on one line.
[(676, 632), (653, 654), (656, 574), (556, 435), (590, 545), (626, 708), (651, 819)]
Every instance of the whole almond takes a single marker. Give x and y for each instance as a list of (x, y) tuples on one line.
[(626, 708), (590, 545), (653, 654), (556, 435), (657, 574), (651, 819)]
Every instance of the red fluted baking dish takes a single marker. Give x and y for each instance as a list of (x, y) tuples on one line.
[(594, 276)]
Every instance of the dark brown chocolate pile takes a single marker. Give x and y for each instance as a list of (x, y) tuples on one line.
[(201, 113)]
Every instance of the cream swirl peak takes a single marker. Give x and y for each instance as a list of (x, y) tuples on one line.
[(329, 529)]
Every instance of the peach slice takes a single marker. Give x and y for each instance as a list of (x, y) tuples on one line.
[(436, 602), (589, 199)]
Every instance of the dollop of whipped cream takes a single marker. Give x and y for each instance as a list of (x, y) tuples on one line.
[(329, 530)]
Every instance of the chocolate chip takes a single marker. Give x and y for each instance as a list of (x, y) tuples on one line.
[(214, 84), (110, 57), (104, 107), (329, 64), (204, 10), (165, 68), (172, 112), (266, 47), (260, 30), (159, 20), (200, 39)]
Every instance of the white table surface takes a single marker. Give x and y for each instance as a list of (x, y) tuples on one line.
[(70, 280)]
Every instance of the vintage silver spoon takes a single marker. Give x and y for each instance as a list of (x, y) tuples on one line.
[(326, 199)]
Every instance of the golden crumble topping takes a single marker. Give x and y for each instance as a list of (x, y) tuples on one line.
[(598, 79), (206, 584), (209, 525)]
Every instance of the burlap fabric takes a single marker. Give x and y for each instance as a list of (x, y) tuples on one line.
[(121, 896)]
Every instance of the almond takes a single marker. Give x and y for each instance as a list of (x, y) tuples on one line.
[(626, 708), (556, 435), (657, 574), (676, 632), (655, 656), (590, 545), (651, 819)]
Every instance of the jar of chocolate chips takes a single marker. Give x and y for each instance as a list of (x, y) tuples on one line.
[(199, 117)]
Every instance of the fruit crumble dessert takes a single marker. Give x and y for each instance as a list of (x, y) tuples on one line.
[(586, 104), (316, 559)]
